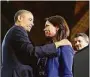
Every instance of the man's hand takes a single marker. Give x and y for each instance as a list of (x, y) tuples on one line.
[(63, 42)]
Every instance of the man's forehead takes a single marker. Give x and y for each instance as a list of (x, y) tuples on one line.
[(78, 38), (28, 14)]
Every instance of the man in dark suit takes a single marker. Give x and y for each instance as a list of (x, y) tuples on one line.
[(18, 50), (81, 59)]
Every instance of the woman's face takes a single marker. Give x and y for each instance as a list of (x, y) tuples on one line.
[(50, 29)]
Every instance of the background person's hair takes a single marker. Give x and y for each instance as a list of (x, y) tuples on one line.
[(19, 13), (86, 38), (61, 23)]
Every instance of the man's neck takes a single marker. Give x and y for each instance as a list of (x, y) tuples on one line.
[(17, 23)]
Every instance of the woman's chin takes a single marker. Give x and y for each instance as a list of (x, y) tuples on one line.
[(49, 36)]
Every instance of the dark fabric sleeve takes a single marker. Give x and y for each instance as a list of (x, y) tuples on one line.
[(45, 50), (23, 46)]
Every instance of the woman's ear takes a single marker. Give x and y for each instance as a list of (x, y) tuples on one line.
[(57, 28)]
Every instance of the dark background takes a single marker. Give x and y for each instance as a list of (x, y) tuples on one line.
[(40, 10)]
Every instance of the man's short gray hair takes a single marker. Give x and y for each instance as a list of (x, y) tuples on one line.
[(83, 35), (19, 13)]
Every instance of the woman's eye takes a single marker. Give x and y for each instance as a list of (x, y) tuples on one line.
[(46, 25)]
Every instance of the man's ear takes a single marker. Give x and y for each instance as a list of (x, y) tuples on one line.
[(19, 18)]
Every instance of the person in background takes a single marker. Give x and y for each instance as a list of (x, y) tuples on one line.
[(80, 41), (81, 59)]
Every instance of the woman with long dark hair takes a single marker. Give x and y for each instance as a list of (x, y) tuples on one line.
[(56, 29)]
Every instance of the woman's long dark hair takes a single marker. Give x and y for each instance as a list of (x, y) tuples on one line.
[(60, 22)]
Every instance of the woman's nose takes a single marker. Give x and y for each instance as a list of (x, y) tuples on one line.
[(44, 29)]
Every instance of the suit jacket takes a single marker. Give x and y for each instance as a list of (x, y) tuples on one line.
[(18, 52), (81, 63)]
